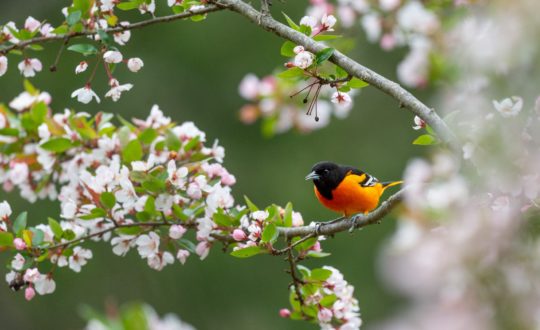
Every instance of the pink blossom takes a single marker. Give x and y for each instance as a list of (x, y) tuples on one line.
[(285, 313), (304, 60), (202, 249), (182, 256), (31, 275), (31, 24), (176, 231), (112, 56), (419, 123), (19, 244), (340, 98), (3, 65), (29, 293), (81, 67), (249, 87), (324, 315), (239, 235), (135, 64)]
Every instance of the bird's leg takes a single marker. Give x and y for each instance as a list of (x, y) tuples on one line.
[(354, 220), (318, 225)]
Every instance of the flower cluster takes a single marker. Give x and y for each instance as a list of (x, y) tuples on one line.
[(277, 99), (130, 183), (397, 23), (148, 318), (325, 298), (92, 18)]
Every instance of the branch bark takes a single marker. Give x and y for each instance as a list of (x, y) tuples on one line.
[(405, 98), (345, 224)]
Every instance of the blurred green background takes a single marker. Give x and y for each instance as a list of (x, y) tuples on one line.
[(192, 71)]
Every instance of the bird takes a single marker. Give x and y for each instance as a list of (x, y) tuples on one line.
[(346, 189)]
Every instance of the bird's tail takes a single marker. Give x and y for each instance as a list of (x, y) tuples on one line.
[(390, 184)]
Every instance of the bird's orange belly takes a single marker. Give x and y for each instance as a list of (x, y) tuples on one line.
[(350, 198)]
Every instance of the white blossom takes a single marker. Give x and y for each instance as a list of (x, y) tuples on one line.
[(30, 66), (135, 64), (112, 56), (509, 107), (81, 67), (304, 60), (148, 245), (85, 95), (3, 65)]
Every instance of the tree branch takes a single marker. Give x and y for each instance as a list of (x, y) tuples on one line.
[(120, 28), (405, 98), (345, 224)]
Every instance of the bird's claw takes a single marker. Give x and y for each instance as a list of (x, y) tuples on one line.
[(353, 223)]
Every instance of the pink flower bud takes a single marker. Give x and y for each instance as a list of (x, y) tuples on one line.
[(29, 293), (19, 244), (177, 231), (316, 247), (135, 64), (284, 312), (202, 249), (239, 235), (182, 256)]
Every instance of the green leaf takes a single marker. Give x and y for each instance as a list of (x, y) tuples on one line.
[(148, 135), (323, 55), (292, 73), (39, 112), (27, 237), (130, 230), (57, 145), (74, 17), (69, 234), (307, 244), (287, 216), (128, 5), (357, 83), (20, 223), (150, 205), (56, 228), (153, 184), (6, 239), (320, 274), (247, 252), (132, 152), (95, 213), (9, 132), (252, 207), (85, 49), (107, 199), (222, 219), (316, 254), (328, 301), (287, 49), (425, 140), (325, 37), (192, 143), (291, 23), (29, 87), (38, 236), (173, 142), (270, 233), (178, 212)]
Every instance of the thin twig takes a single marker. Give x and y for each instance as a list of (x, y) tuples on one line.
[(119, 28), (292, 270)]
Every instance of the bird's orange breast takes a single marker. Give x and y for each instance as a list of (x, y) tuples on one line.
[(349, 197)]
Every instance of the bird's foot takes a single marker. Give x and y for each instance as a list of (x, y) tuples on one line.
[(354, 219)]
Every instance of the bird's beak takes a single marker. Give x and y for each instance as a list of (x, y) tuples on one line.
[(312, 176)]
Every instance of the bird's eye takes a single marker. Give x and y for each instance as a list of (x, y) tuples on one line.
[(326, 171)]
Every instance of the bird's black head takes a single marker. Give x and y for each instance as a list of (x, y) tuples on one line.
[(327, 176)]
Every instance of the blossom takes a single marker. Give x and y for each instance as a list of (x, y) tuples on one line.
[(31, 275), (202, 249), (304, 60), (419, 123), (107, 5), (122, 243), (46, 30), (81, 67), (308, 21), (29, 66), (176, 231), (239, 235), (85, 95), (324, 315), (116, 89), (509, 107), (177, 176), (45, 285), (31, 24), (19, 244), (29, 293), (18, 173), (3, 65), (123, 37), (159, 260), (5, 210), (182, 256), (112, 56), (340, 98), (260, 215), (328, 22), (135, 64), (148, 245), (18, 262), (79, 258), (298, 49), (284, 312), (249, 87)]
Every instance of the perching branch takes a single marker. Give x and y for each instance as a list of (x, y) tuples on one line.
[(119, 28), (405, 98), (344, 224)]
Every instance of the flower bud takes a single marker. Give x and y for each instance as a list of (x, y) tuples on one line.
[(284, 312), (29, 293), (19, 244), (177, 231), (135, 64), (239, 235)]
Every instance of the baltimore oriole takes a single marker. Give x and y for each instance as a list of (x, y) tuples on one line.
[(345, 189)]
